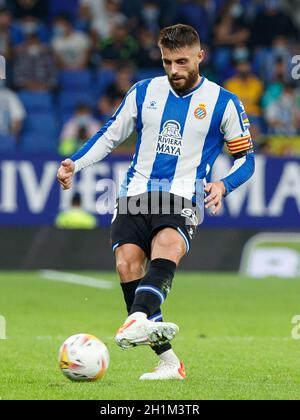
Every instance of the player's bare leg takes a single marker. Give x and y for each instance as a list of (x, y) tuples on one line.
[(168, 244), (131, 263)]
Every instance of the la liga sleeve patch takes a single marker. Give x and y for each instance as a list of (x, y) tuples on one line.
[(245, 120)]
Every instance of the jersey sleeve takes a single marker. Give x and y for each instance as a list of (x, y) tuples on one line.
[(241, 172), (112, 134), (235, 127)]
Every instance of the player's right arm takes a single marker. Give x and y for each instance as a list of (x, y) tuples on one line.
[(113, 133)]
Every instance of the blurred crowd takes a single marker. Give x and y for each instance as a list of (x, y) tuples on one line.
[(69, 63)]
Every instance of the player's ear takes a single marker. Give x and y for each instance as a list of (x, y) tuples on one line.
[(201, 56)]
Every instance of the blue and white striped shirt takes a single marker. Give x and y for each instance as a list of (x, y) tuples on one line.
[(179, 137)]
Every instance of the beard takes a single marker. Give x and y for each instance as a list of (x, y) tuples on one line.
[(187, 83)]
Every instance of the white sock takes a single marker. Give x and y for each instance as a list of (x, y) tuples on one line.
[(169, 357)]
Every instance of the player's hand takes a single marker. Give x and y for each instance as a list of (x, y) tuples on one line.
[(216, 191), (65, 174)]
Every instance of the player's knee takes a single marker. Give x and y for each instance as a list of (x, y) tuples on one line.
[(129, 269)]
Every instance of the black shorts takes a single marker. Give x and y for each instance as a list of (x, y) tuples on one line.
[(138, 219)]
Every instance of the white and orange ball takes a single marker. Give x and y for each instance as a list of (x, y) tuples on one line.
[(83, 357)]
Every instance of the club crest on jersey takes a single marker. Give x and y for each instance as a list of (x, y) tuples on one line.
[(200, 112), (170, 140)]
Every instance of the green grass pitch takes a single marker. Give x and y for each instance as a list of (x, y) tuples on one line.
[(235, 338)]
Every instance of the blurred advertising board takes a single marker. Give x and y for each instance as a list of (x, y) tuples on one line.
[(30, 194)]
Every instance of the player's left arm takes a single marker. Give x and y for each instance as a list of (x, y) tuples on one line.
[(115, 131), (235, 127)]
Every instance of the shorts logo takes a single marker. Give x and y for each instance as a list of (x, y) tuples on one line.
[(191, 233), (170, 140), (200, 112), (191, 216)]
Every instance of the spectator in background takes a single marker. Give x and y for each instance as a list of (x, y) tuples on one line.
[(168, 12), (89, 12), (115, 92), (34, 8), (148, 55), (92, 9), (5, 33), (77, 130), (230, 31), (283, 115), (8, 35), (265, 59), (34, 67), (107, 106), (271, 23), (126, 30), (132, 10), (207, 68), (264, 148), (281, 51), (293, 7), (71, 47), (123, 82), (275, 87), (76, 217), (120, 46), (103, 14), (30, 20), (247, 87), (30, 25), (12, 114), (150, 15), (192, 12)]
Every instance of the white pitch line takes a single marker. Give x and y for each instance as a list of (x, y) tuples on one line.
[(76, 279)]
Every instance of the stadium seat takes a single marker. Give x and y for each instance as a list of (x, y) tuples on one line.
[(34, 144), (105, 78), (36, 101), (40, 133), (75, 79), (40, 124), (7, 144), (19, 36), (57, 7), (68, 100)]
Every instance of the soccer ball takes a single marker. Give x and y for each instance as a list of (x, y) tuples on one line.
[(83, 357)]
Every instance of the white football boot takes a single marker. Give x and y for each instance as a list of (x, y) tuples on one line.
[(166, 371), (138, 330)]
